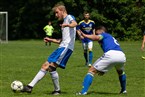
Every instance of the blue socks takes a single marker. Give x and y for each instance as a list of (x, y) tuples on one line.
[(90, 57), (86, 57), (89, 78), (122, 80), (87, 82)]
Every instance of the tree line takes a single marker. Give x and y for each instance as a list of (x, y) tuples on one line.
[(124, 19)]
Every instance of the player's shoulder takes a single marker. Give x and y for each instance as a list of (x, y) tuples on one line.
[(92, 21), (70, 16), (104, 34), (82, 21), (46, 26)]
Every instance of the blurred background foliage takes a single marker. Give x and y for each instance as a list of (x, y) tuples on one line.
[(124, 19)]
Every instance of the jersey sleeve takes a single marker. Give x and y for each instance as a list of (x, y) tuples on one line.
[(71, 18), (52, 28), (77, 27), (93, 25), (44, 28), (101, 36)]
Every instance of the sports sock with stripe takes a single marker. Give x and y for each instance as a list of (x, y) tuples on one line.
[(122, 80), (55, 79), (38, 77), (87, 82), (90, 57), (86, 57)]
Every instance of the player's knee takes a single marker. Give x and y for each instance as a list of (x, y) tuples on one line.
[(90, 49), (45, 66), (100, 73), (85, 51), (51, 68), (48, 68), (120, 72), (94, 71)]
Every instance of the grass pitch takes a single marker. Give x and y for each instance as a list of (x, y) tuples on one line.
[(21, 60)]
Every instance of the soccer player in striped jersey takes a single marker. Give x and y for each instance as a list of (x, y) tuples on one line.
[(87, 26), (113, 57), (61, 55)]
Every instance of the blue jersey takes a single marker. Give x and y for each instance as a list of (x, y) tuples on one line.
[(109, 43), (86, 28)]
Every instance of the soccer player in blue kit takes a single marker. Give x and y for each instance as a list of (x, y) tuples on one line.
[(87, 26), (113, 57), (61, 55)]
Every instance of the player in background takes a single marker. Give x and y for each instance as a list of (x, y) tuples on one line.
[(61, 55), (142, 46), (48, 30), (87, 26), (113, 57)]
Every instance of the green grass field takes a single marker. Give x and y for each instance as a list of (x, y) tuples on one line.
[(21, 60)]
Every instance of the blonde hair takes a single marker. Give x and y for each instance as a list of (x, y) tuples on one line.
[(59, 6)]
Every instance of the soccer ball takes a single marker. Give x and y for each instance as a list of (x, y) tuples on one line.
[(17, 86)]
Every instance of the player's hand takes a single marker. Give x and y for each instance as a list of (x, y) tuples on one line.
[(81, 37), (46, 39), (82, 34), (142, 47)]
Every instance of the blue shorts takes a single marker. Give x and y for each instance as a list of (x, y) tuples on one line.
[(60, 56)]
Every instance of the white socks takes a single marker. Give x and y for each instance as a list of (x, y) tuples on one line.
[(55, 80), (41, 74), (38, 77)]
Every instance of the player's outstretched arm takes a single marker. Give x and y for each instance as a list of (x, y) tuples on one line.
[(142, 47), (46, 39), (79, 34), (71, 25), (92, 37)]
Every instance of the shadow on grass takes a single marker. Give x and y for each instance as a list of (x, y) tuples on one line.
[(102, 93), (50, 93)]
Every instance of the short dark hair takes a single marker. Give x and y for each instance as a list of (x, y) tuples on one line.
[(101, 28), (86, 12)]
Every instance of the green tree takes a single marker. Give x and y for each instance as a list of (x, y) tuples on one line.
[(123, 18)]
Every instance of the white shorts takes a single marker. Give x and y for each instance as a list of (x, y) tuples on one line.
[(110, 59), (88, 45)]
